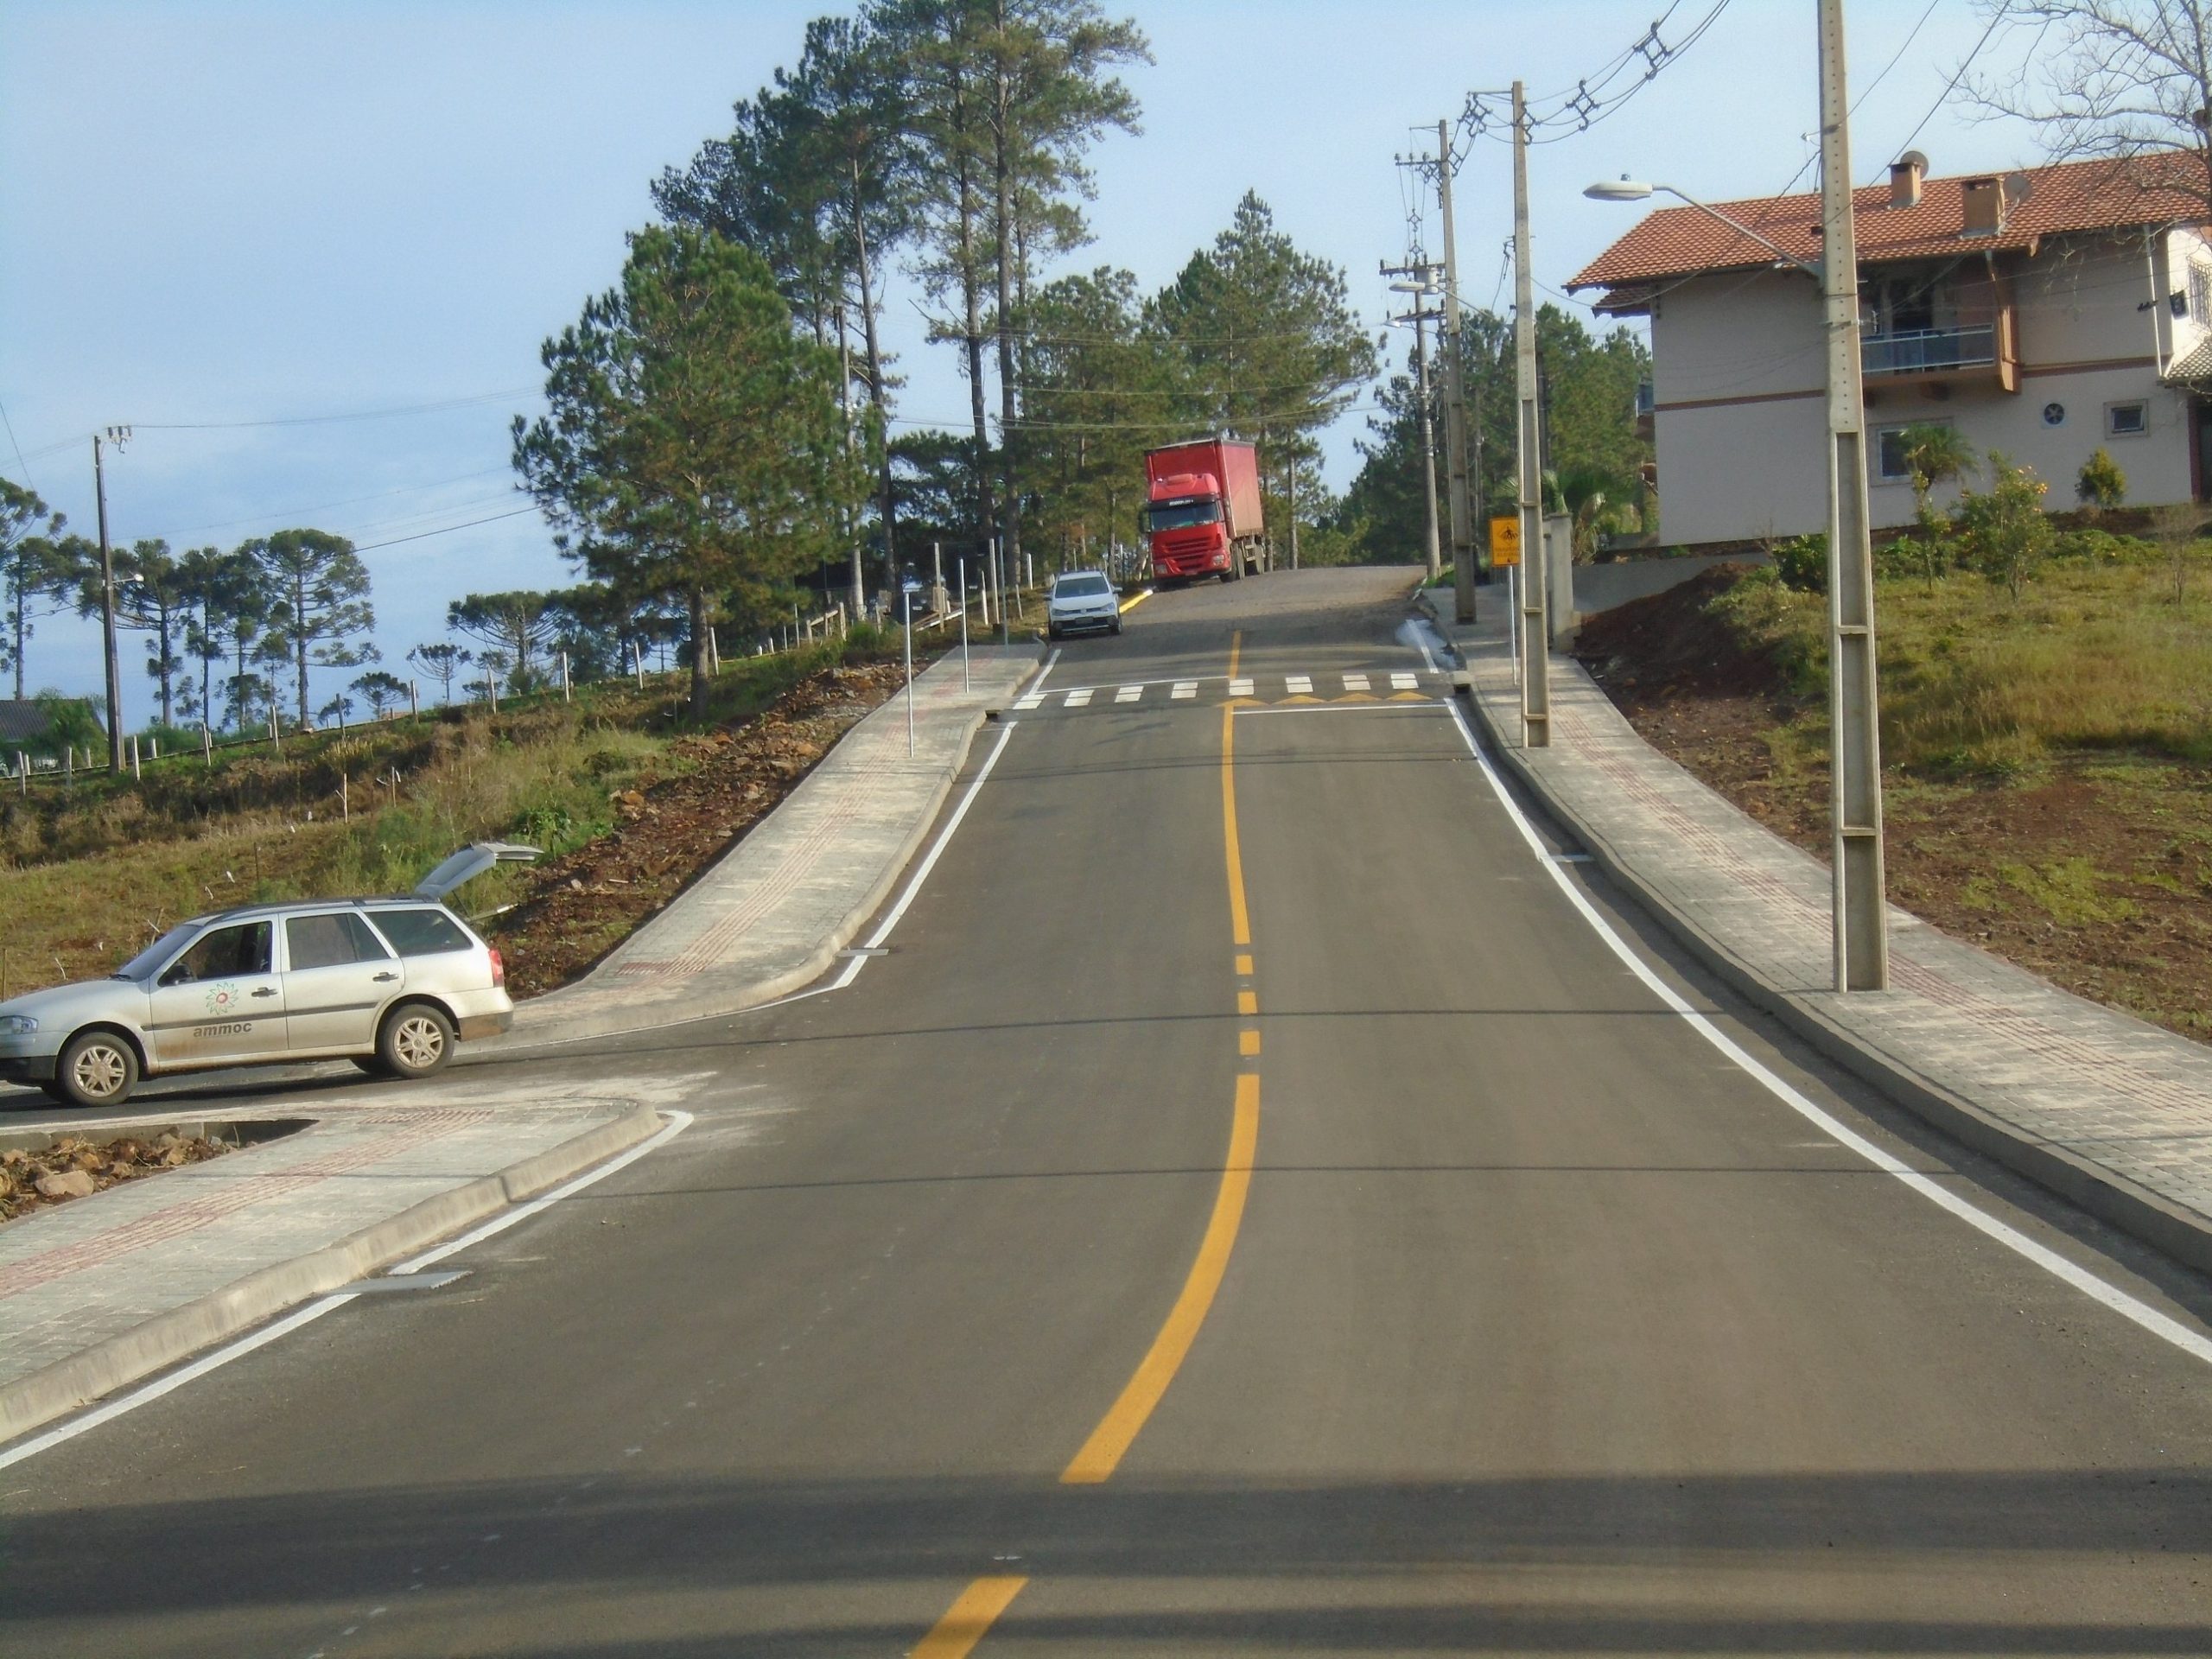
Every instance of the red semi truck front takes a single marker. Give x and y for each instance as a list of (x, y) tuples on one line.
[(1202, 509)]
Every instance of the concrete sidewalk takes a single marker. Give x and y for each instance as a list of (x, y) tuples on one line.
[(776, 909), (2112, 1113), (101, 1291)]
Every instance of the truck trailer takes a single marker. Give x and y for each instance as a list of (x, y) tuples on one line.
[(1202, 510)]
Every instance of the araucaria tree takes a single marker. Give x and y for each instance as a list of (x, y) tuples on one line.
[(522, 624), (321, 607), (35, 570), (693, 448)]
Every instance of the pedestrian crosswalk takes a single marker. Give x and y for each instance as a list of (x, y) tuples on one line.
[(1259, 688)]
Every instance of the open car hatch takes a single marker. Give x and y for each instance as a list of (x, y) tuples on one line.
[(470, 862)]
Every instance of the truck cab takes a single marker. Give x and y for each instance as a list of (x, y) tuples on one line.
[(1186, 526)]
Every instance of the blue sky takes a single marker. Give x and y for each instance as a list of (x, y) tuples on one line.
[(222, 222)]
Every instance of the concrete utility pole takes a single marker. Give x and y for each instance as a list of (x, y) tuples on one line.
[(1455, 398), (118, 435), (1427, 441), (1535, 631), (1422, 282), (1862, 933), (845, 406)]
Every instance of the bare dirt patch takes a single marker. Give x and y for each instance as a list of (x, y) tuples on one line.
[(669, 829), (74, 1168), (2093, 870)]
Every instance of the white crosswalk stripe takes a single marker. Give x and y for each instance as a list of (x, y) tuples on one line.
[(1355, 682), (1404, 683), (1299, 685), (1129, 694), (1077, 699), (1036, 702), (1240, 688), (1185, 689)]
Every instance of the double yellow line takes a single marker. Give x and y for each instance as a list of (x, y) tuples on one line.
[(967, 1620)]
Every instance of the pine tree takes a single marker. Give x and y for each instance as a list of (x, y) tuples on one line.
[(693, 448), (321, 590)]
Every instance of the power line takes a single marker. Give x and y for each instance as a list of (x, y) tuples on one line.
[(446, 530), (1560, 115), (350, 502), (1951, 86), (21, 466), (322, 420)]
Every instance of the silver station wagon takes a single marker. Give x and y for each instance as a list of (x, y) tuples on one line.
[(391, 984)]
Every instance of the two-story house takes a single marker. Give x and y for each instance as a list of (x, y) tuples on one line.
[(2043, 314)]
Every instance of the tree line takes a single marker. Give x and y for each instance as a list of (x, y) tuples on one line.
[(235, 638), (721, 423)]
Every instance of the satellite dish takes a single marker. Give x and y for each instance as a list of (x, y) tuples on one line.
[(2018, 187)]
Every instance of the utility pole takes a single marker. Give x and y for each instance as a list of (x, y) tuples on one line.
[(1455, 398), (1861, 924), (1421, 282), (1427, 441), (118, 435), (1536, 630)]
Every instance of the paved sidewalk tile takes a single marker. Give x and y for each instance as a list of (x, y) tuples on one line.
[(73, 1276), (773, 913), (2051, 1068)]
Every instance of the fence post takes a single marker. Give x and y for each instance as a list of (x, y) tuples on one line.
[(345, 798), (207, 743), (564, 677), (638, 661), (134, 756), (275, 737), (414, 702), (24, 771)]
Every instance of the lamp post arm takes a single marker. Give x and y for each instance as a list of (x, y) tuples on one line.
[(1805, 265)]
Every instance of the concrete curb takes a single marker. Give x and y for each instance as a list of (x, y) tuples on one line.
[(2104, 1193), (749, 994), (31, 1402)]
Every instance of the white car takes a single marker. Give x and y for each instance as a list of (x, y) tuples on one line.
[(1082, 602), (391, 984)]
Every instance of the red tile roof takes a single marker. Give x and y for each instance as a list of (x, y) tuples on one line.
[(2069, 198)]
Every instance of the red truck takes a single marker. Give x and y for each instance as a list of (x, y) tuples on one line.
[(1202, 510)]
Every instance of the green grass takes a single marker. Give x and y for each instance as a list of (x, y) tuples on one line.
[(2095, 657), (97, 871)]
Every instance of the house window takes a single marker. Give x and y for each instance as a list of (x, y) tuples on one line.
[(1888, 447), (2126, 420), (2200, 292)]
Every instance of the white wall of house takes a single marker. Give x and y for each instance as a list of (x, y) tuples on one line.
[(1738, 378)]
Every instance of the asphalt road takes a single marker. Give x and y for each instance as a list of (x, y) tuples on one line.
[(1457, 1297)]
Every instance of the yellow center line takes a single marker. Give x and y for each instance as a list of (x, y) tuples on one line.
[(1118, 1429), (1102, 1451), (1239, 920), (1134, 600), (968, 1618), (1248, 1002)]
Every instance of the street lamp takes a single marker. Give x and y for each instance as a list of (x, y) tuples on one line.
[(1419, 318), (1627, 189), (1861, 923)]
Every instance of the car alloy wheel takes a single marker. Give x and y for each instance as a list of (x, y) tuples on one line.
[(420, 1043), (98, 1070)]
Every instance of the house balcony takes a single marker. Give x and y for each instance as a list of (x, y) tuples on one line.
[(1981, 352)]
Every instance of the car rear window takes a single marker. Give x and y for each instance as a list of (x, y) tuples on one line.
[(1080, 588), (421, 933), (335, 938)]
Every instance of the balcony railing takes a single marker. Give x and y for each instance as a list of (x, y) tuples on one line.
[(1930, 351)]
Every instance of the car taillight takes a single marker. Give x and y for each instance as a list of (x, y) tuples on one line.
[(498, 969)]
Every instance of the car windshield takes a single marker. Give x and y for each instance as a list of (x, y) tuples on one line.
[(143, 965), (1081, 588), (1182, 514)]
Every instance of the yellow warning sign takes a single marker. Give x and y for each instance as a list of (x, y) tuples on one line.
[(1505, 541)]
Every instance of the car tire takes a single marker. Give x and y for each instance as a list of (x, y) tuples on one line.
[(1117, 628), (415, 1040), (97, 1068), (1236, 571)]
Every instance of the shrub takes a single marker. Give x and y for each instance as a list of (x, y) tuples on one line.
[(2003, 528), (2100, 483), (2091, 546), (1802, 562)]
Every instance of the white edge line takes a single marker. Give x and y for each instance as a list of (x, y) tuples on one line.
[(937, 848), (1038, 684), (2099, 1290), (49, 1439)]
